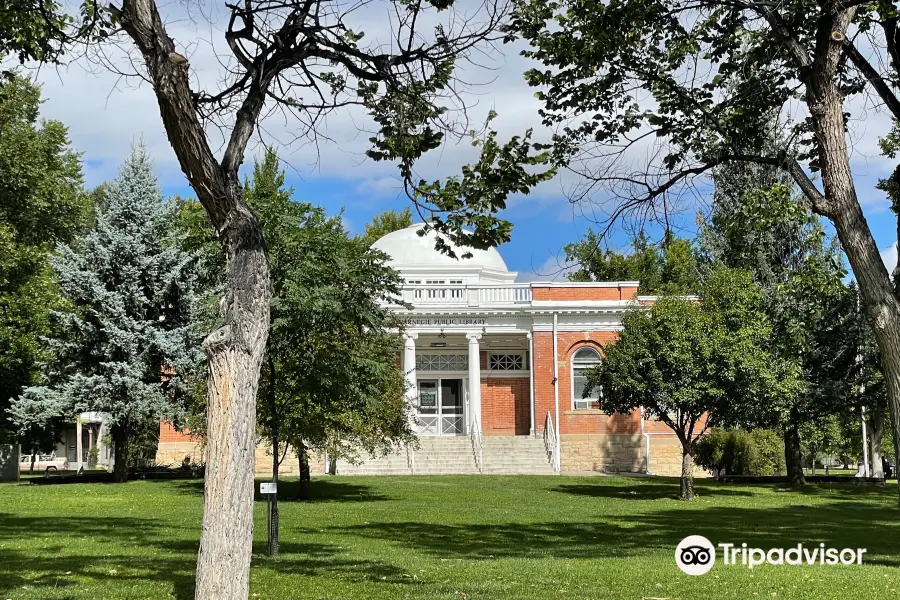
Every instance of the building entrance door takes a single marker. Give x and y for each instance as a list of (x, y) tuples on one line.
[(441, 409)]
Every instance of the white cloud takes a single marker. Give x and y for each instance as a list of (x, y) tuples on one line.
[(889, 256), (105, 113)]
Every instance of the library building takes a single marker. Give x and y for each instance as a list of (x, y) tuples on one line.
[(495, 374)]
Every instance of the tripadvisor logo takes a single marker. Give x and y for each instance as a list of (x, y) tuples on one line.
[(696, 555)]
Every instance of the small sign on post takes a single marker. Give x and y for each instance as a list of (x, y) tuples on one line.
[(269, 489)]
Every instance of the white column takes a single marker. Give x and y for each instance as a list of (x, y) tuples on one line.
[(78, 448), (531, 377), (409, 368), (474, 380), (556, 422)]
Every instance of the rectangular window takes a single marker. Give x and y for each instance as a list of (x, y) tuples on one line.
[(442, 362), (579, 382), (506, 362)]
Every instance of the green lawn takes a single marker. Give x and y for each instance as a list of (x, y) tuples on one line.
[(450, 537)]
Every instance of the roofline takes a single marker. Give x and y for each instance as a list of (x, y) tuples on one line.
[(585, 284)]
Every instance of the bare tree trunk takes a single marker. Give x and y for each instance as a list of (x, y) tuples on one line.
[(876, 434), (120, 442), (235, 355), (792, 456), (841, 205), (235, 351), (305, 477), (687, 474)]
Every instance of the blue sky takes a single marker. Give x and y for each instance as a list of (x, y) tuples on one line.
[(542, 226)]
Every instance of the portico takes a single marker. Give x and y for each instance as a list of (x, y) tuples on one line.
[(447, 370)]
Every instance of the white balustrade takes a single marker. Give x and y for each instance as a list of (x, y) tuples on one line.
[(467, 295)]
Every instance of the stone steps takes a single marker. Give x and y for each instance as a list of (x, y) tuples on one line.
[(507, 455)]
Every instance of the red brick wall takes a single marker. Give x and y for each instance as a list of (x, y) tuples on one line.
[(505, 406), (168, 433), (584, 293), (571, 421)]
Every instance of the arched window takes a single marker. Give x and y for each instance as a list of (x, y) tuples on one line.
[(585, 359)]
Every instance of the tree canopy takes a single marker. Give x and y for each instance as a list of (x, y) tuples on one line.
[(330, 380), (41, 204), (386, 222), (669, 267), (649, 97), (760, 226), (694, 364)]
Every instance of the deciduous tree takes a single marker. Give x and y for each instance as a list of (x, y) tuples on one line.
[(308, 59), (693, 85), (669, 267), (41, 204), (384, 223), (693, 365), (761, 227)]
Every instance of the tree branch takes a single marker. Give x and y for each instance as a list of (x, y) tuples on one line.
[(873, 77)]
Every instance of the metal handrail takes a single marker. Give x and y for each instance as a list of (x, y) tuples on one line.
[(477, 445), (551, 442)]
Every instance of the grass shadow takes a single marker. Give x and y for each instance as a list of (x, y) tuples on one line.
[(657, 488), (320, 490)]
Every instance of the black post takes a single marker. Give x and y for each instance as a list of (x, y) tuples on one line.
[(272, 525)]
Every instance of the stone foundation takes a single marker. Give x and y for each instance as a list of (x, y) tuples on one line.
[(602, 452), (665, 457), (174, 453)]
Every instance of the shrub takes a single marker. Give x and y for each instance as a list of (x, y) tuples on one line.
[(739, 452)]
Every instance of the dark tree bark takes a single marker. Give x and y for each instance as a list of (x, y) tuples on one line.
[(687, 473), (793, 460), (305, 477), (120, 440)]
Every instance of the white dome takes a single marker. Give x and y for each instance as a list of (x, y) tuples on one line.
[(407, 249)]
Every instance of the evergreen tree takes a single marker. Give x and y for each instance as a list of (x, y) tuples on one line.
[(129, 342)]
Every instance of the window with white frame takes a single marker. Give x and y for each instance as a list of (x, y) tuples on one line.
[(506, 362), (442, 362), (583, 361)]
